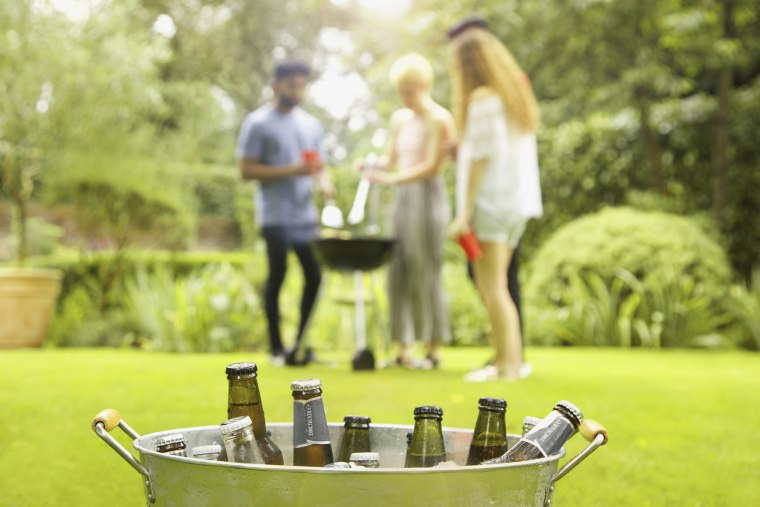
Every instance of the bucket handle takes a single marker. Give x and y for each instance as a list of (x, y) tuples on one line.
[(596, 434), (105, 421)]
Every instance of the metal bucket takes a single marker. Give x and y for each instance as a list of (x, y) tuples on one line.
[(172, 480)]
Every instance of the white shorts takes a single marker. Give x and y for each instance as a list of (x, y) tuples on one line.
[(489, 228)]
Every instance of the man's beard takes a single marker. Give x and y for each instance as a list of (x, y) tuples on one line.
[(288, 102)]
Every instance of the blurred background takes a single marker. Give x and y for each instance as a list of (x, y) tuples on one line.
[(118, 122)]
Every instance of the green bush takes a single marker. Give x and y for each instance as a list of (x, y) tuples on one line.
[(213, 309), (669, 310), (744, 307), (628, 278), (640, 242)]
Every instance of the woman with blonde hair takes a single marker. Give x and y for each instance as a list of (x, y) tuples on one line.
[(498, 187), (415, 154)]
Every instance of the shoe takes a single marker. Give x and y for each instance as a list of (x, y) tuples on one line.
[(277, 359), (483, 374), (429, 362), (302, 359), (525, 370)]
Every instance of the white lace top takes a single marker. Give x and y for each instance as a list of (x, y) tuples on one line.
[(511, 184)]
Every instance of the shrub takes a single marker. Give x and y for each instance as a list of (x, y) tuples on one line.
[(630, 278), (214, 309)]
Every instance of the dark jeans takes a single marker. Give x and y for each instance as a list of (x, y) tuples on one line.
[(279, 240), (513, 285)]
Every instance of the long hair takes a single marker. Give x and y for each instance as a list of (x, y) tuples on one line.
[(477, 59)]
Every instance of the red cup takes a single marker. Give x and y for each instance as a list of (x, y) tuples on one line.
[(310, 156), (471, 246)]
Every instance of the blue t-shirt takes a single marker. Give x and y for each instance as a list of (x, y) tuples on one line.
[(275, 139)]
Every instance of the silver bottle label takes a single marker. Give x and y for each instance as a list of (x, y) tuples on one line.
[(549, 435), (309, 423)]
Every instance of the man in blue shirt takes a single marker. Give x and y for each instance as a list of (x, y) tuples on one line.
[(270, 150)]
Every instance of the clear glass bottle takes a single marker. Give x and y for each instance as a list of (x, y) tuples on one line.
[(244, 398), (207, 452), (365, 459), (489, 439), (238, 440), (545, 438), (355, 436), (311, 435), (173, 445), (426, 448), (528, 423)]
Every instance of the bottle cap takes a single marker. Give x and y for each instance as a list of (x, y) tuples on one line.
[(235, 424), (357, 419), (571, 410), (306, 385), (241, 369), (359, 457), (496, 403), (207, 449), (174, 438), (428, 410)]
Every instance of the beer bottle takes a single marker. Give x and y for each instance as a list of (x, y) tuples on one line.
[(426, 448), (238, 440), (489, 439), (528, 423), (311, 436), (547, 437), (207, 452), (365, 459), (173, 445), (355, 436), (244, 398)]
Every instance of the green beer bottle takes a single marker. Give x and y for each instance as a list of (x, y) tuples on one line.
[(311, 435), (545, 438), (355, 436), (426, 448), (489, 439), (244, 398)]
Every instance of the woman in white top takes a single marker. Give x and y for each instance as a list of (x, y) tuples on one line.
[(498, 188)]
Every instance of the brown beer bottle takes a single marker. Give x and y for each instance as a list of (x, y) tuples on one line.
[(489, 439), (355, 436), (311, 436), (545, 438), (426, 448), (244, 398)]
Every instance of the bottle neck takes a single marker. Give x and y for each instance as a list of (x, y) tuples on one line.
[(491, 421), (427, 432), (307, 395), (245, 399)]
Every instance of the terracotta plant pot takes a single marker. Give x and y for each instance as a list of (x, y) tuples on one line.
[(27, 303)]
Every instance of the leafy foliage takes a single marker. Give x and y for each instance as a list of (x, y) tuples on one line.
[(214, 309), (629, 278)]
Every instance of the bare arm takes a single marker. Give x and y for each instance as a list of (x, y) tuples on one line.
[(474, 181), (252, 169)]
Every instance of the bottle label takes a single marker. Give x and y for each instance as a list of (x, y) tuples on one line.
[(309, 423), (549, 435)]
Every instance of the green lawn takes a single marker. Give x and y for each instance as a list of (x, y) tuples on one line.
[(684, 426)]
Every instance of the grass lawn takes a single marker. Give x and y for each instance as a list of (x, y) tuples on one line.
[(684, 425)]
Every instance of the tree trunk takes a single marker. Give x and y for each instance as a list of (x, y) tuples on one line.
[(722, 146)]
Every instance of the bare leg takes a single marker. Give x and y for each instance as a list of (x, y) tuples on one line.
[(490, 277)]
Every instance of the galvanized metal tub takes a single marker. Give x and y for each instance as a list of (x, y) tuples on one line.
[(178, 481)]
